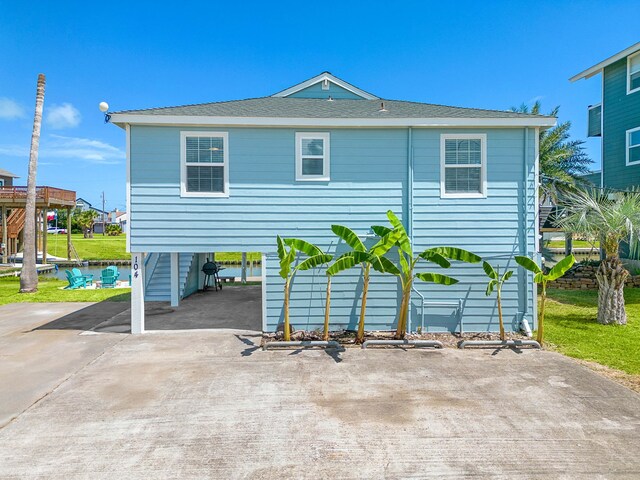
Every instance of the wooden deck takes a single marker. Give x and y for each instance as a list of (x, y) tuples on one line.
[(46, 197)]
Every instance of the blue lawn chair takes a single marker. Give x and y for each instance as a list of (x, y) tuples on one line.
[(77, 273), (109, 277), (75, 281)]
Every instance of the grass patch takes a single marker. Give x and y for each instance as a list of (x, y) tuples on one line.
[(576, 244), (236, 257), (97, 248), (571, 327), (49, 291), (114, 248)]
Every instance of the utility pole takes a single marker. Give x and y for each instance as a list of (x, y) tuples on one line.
[(104, 225)]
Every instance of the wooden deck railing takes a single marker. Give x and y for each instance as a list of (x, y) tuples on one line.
[(47, 195)]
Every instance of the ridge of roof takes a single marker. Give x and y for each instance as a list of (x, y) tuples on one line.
[(200, 108)]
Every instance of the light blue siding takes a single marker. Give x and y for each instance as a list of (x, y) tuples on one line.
[(334, 91), (369, 175)]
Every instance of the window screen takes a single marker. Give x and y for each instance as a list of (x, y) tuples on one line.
[(463, 166)]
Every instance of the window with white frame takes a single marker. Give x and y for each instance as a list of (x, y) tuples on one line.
[(633, 146), (204, 164), (633, 73), (312, 156), (1, 182), (463, 159)]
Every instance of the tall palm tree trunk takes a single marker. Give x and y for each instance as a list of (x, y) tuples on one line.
[(611, 276), (29, 274), (363, 308)]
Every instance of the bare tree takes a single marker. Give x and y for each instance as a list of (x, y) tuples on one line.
[(29, 275)]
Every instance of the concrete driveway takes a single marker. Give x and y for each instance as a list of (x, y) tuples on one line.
[(210, 404)]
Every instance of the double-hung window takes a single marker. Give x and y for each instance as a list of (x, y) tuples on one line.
[(204, 164), (633, 146), (312, 156), (463, 165), (633, 73)]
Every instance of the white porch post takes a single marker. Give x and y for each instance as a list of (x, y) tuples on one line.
[(137, 293), (243, 273), (175, 279), (202, 258)]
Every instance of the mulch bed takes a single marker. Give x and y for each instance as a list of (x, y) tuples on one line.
[(347, 338)]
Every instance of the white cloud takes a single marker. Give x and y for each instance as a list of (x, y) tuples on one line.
[(92, 151), (63, 116), (10, 109), (69, 148)]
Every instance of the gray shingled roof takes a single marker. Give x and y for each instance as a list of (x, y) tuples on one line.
[(7, 173), (322, 108)]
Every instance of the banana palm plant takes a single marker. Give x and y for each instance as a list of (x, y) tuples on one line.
[(496, 281), (287, 271), (315, 261), (438, 255), (556, 272), (367, 259)]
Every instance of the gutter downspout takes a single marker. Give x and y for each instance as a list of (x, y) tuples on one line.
[(525, 243), (409, 204)]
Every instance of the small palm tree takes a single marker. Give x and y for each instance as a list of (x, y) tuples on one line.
[(366, 259), (611, 218), (438, 255), (29, 275), (556, 272), (316, 261), (496, 281), (562, 160), (287, 271)]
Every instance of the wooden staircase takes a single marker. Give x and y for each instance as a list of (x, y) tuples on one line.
[(15, 225)]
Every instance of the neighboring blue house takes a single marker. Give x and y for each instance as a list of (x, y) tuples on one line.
[(230, 176), (616, 119)]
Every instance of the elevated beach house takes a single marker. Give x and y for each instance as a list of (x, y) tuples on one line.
[(616, 119), (230, 176)]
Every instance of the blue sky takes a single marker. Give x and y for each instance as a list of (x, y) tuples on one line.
[(146, 54)]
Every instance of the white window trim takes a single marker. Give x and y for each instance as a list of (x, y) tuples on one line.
[(1, 182), (628, 146), (183, 164), (326, 163), (483, 163), (629, 91)]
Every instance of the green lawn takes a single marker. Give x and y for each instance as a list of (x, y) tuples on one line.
[(570, 326), (576, 244), (114, 248), (49, 291), (97, 248)]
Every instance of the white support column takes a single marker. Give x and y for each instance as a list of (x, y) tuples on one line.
[(201, 258), (243, 272), (137, 293), (175, 279)]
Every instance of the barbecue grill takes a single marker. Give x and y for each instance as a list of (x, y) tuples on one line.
[(211, 269)]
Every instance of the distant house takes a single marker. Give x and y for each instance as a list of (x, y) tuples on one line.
[(616, 118), (6, 178), (232, 175), (82, 205)]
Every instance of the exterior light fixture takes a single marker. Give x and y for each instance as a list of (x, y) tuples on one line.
[(104, 108)]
